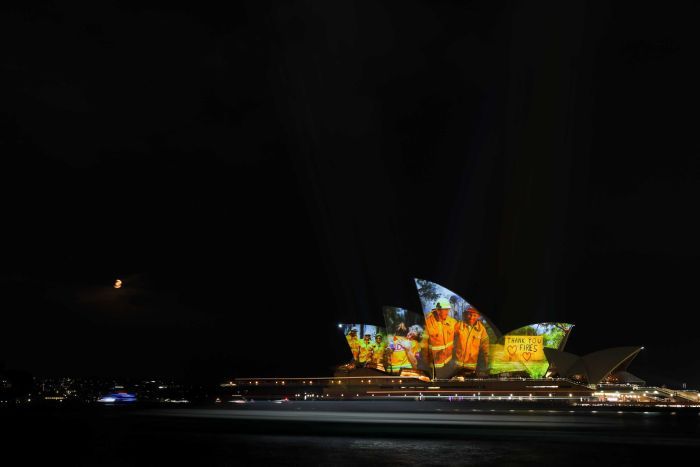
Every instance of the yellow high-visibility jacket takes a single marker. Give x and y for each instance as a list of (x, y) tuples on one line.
[(354, 346), (378, 353), (365, 351), (441, 338), (399, 358), (470, 341)]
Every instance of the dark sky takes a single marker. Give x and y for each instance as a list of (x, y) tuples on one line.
[(257, 174)]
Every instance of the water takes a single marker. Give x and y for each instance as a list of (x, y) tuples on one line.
[(311, 434)]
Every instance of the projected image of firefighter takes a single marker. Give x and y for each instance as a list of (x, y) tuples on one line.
[(458, 335), (351, 336), (471, 344), (441, 329), (377, 352), (362, 340), (406, 349), (371, 344)]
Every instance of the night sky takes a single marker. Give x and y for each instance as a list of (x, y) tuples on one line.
[(256, 175)]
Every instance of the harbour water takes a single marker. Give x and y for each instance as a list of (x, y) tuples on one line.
[(266, 433)]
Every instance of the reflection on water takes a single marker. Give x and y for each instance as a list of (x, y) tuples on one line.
[(396, 451), (307, 450), (205, 437)]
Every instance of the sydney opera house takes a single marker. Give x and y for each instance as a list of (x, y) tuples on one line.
[(452, 350)]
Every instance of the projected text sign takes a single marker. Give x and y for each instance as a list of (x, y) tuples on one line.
[(527, 348)]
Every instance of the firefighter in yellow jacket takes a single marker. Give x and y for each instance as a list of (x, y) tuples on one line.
[(471, 339), (400, 351), (354, 343), (377, 357), (441, 332), (365, 352)]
